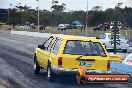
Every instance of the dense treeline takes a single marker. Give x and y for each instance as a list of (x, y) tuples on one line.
[(20, 15)]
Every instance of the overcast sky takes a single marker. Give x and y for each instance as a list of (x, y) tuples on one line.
[(70, 4)]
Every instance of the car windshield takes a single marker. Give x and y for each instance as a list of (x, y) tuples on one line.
[(120, 36), (87, 48)]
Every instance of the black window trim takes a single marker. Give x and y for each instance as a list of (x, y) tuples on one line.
[(46, 41), (52, 44), (57, 39)]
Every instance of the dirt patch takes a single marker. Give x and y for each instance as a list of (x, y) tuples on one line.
[(4, 84)]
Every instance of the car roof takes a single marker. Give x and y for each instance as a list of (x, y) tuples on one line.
[(110, 34), (72, 37)]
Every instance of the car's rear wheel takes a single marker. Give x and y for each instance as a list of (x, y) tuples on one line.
[(36, 67), (50, 74), (80, 79)]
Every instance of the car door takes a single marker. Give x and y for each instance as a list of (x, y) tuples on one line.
[(43, 53), (48, 52), (54, 52), (123, 42), (109, 44)]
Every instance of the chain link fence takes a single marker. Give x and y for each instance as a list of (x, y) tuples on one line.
[(83, 32), (79, 32)]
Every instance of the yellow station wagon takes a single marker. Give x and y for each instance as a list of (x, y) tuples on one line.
[(62, 54)]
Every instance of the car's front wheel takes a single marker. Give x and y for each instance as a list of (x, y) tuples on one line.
[(80, 79), (36, 66), (50, 74)]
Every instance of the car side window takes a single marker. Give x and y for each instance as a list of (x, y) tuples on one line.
[(51, 44), (97, 49), (57, 46), (103, 36), (109, 36), (46, 44)]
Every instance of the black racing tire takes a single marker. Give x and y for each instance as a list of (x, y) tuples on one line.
[(62, 29), (50, 74), (36, 66), (80, 79)]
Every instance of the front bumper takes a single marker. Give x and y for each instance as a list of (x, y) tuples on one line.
[(72, 71)]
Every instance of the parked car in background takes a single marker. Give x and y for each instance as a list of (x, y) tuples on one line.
[(64, 27), (23, 27), (41, 27), (1, 23), (74, 26), (62, 54), (68, 26), (130, 43), (80, 26), (61, 27), (106, 39), (102, 27)]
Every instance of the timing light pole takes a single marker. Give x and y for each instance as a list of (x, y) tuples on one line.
[(9, 11), (116, 27), (8, 16), (38, 15), (87, 19)]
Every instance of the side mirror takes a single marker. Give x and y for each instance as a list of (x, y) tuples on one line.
[(40, 46)]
